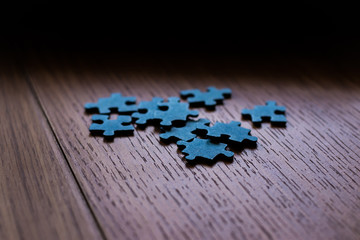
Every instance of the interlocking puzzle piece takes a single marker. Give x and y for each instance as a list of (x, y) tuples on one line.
[(146, 111), (165, 112), (185, 133), (174, 110), (116, 102), (204, 148), (109, 128), (230, 132), (209, 98), (270, 111)]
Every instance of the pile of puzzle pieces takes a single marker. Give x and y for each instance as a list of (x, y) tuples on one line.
[(196, 138)]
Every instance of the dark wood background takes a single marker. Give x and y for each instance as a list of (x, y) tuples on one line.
[(59, 182)]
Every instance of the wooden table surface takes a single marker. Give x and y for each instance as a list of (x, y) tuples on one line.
[(59, 182)]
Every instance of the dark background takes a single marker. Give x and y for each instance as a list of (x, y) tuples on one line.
[(297, 29)]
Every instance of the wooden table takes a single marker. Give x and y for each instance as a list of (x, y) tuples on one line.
[(59, 182)]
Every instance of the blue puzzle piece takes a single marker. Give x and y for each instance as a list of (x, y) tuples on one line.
[(230, 132), (209, 98), (174, 110), (164, 112), (109, 128), (204, 148), (115, 103), (270, 111), (185, 133), (146, 111)]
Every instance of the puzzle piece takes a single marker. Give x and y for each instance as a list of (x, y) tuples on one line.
[(146, 111), (116, 102), (185, 133), (231, 132), (174, 110), (204, 148), (165, 112), (209, 98), (108, 128), (271, 110)]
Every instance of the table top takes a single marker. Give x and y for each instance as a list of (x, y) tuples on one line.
[(59, 182)]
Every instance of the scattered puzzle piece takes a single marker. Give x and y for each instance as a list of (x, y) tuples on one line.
[(109, 128), (116, 102), (209, 98), (270, 111), (165, 112), (230, 132), (174, 110), (146, 111), (204, 148), (185, 133)]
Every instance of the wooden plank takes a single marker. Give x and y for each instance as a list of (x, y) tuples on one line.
[(301, 182), (39, 198)]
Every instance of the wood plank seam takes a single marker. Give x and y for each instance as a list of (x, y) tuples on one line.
[(32, 89)]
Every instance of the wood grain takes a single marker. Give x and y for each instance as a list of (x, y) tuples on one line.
[(301, 182), (39, 197)]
